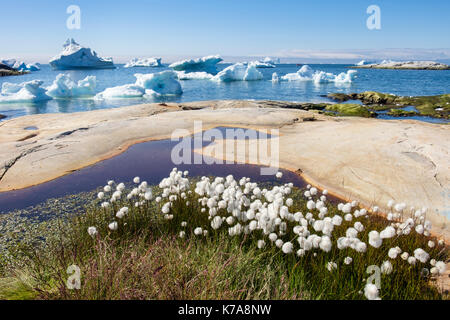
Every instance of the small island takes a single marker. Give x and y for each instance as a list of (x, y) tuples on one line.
[(405, 65)]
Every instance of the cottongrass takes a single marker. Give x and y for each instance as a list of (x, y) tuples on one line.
[(319, 250)]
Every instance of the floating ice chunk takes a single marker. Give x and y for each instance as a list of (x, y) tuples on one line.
[(158, 84), (147, 85), (121, 92), (75, 56), (262, 64), (239, 72), (65, 87), (306, 73), (182, 75), (22, 66), (145, 62), (271, 61), (202, 64), (275, 77), (30, 91)]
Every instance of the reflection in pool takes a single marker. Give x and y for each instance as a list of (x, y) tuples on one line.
[(149, 160)]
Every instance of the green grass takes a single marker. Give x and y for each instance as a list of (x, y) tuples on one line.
[(146, 259), (349, 109)]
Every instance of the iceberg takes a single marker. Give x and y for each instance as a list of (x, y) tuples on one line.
[(239, 72), (306, 73), (30, 91), (65, 87), (147, 85), (266, 63), (20, 65), (363, 63), (261, 64), (182, 75), (159, 84), (271, 61), (145, 62), (207, 64), (75, 56), (275, 77)]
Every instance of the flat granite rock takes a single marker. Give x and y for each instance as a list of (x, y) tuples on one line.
[(362, 159)]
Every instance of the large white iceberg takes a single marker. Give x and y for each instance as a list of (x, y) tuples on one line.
[(145, 62), (20, 65), (147, 85), (306, 73), (65, 87), (207, 64), (75, 56), (239, 72), (194, 75), (30, 91)]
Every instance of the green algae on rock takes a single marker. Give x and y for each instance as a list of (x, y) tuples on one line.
[(348, 109), (434, 106)]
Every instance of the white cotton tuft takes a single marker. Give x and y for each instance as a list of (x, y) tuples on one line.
[(386, 267), (113, 226), (198, 231), (421, 255), (92, 231), (371, 292)]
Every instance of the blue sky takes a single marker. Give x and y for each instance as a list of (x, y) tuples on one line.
[(325, 30)]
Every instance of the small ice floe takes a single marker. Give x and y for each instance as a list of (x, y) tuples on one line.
[(65, 87), (74, 56), (306, 73), (266, 63), (239, 72), (182, 75), (207, 64), (30, 91), (275, 77), (144, 62)]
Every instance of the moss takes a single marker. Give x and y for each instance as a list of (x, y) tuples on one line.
[(350, 109), (434, 106), (402, 113), (373, 97)]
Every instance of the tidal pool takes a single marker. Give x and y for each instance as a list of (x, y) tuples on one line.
[(151, 161)]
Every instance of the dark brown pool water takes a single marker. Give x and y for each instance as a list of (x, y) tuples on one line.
[(151, 161)]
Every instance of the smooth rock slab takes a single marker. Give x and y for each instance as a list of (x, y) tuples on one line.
[(368, 160)]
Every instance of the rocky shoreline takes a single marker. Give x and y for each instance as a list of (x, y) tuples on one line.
[(8, 71), (369, 160), (433, 106)]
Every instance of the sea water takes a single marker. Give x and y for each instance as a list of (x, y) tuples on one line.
[(399, 82)]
